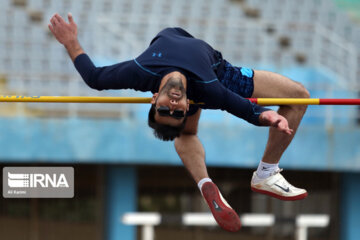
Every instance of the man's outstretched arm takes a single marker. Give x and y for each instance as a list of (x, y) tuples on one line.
[(190, 149), (124, 75), (66, 34)]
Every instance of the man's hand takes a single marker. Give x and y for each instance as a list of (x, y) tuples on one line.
[(273, 119), (66, 34)]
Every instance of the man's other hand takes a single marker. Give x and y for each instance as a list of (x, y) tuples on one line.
[(273, 119), (65, 33)]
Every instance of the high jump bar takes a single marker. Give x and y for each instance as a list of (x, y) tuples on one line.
[(259, 101)]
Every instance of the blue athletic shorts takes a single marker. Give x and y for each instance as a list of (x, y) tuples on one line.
[(238, 79)]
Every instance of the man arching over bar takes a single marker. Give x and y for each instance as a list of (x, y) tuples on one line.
[(176, 68)]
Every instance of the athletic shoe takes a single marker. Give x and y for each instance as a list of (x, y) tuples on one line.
[(277, 186), (224, 215)]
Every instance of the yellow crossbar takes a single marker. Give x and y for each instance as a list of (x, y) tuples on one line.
[(260, 101)]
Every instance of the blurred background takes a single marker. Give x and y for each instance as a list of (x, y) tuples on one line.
[(120, 167)]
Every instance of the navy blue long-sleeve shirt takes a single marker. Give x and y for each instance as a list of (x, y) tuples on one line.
[(173, 49)]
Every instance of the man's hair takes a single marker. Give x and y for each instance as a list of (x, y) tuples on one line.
[(163, 131)]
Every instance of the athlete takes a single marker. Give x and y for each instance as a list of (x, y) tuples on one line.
[(176, 68)]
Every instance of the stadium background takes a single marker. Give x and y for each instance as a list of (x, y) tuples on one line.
[(120, 167)]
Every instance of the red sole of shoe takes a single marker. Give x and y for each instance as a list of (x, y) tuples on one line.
[(294, 198), (224, 216)]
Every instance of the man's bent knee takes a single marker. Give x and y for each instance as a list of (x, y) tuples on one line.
[(299, 92), (302, 92)]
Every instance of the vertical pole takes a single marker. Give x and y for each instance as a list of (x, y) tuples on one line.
[(121, 197), (350, 207), (301, 232), (148, 232)]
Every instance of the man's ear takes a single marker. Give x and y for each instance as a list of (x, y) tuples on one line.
[(187, 104), (154, 97)]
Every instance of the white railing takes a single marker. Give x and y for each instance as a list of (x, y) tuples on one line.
[(108, 33), (326, 49), (340, 53), (148, 221)]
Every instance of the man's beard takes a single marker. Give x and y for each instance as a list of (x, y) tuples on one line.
[(177, 85)]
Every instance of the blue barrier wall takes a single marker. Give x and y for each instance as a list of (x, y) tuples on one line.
[(110, 141)]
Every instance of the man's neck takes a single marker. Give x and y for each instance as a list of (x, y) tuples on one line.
[(174, 74)]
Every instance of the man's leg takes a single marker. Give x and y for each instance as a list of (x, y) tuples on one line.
[(273, 85), (192, 154), (267, 179), (190, 149)]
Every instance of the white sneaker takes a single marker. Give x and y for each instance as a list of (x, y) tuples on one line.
[(277, 186)]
